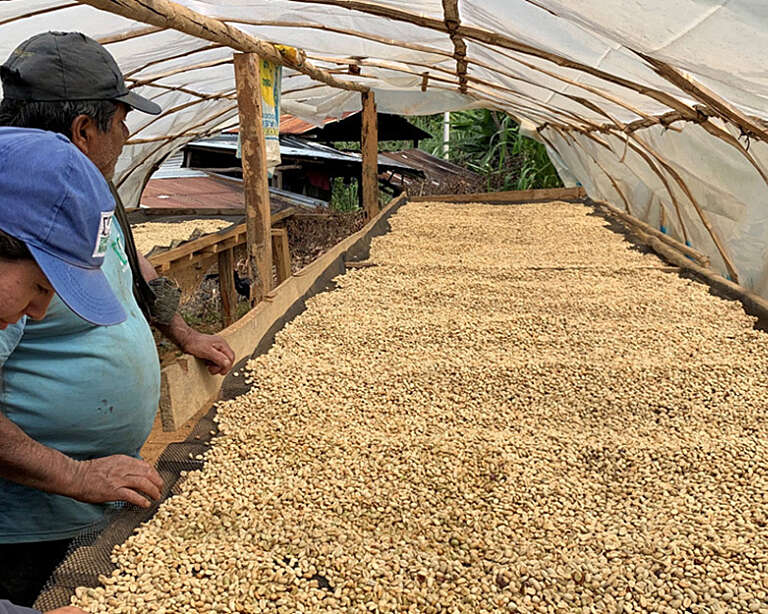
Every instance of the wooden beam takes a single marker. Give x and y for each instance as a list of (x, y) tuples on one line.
[(369, 146), (424, 81), (281, 254), (257, 214), (166, 14), (452, 22), (199, 251), (665, 119), (509, 197), (227, 286)]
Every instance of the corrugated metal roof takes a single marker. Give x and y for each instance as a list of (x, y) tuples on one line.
[(293, 147), (172, 168), (437, 172), (296, 147), (213, 192), (201, 192), (223, 140), (293, 125)]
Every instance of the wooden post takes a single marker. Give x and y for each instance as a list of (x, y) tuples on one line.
[(257, 214), (369, 145), (227, 286), (281, 254)]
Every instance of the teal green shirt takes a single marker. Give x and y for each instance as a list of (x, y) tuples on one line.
[(88, 391)]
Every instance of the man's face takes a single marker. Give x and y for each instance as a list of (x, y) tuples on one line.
[(107, 146)]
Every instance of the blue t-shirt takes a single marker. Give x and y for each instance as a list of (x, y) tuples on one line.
[(87, 391)]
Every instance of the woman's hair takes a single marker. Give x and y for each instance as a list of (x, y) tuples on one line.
[(13, 249)]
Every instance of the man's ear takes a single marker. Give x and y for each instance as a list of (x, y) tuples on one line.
[(82, 129)]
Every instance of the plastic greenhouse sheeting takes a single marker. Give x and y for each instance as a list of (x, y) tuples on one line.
[(574, 74)]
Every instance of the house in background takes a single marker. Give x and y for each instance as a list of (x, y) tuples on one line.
[(207, 174)]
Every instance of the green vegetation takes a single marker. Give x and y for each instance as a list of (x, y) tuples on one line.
[(344, 196), (490, 144), (486, 142)]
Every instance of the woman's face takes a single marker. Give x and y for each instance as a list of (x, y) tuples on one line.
[(24, 290)]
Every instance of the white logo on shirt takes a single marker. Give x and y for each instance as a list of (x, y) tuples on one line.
[(102, 239)]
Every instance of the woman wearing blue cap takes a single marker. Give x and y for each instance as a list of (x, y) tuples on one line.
[(54, 227)]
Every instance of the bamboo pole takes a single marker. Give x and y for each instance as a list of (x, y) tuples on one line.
[(181, 69), (638, 224), (607, 174), (369, 146), (668, 118), (704, 220), (652, 165), (126, 36), (703, 94), (435, 51), (166, 14), (254, 156), (591, 89), (169, 58), (39, 12), (467, 79), (504, 41), (176, 109), (501, 40)]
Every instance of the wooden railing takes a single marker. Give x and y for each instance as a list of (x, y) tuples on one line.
[(188, 262)]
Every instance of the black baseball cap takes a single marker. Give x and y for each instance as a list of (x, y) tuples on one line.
[(58, 66)]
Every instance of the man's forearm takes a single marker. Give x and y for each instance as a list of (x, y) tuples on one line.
[(177, 331), (25, 461), (212, 349), (147, 270)]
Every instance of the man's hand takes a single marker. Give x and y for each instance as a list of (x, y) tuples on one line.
[(115, 478), (69, 609), (210, 348)]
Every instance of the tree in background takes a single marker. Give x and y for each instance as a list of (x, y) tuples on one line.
[(489, 143), (486, 142)]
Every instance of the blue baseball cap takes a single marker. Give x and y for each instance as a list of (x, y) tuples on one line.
[(56, 201)]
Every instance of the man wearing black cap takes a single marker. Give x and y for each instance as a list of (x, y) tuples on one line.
[(68, 384)]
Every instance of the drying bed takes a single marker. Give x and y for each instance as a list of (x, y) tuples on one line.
[(509, 408)]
